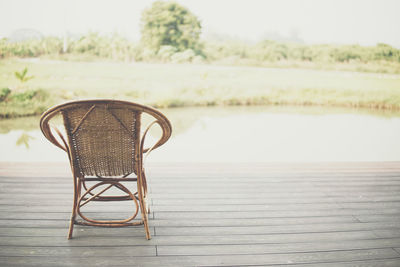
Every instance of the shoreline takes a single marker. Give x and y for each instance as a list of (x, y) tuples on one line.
[(190, 85)]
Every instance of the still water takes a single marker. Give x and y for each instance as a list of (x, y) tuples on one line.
[(243, 134)]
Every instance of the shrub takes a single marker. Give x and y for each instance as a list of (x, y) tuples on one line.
[(166, 52), (4, 92), (23, 96), (185, 56)]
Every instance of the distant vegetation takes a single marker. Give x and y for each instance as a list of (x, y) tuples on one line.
[(171, 34), (380, 58)]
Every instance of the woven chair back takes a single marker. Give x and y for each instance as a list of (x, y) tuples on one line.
[(103, 138)]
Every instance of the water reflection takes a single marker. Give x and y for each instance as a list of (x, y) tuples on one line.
[(243, 134), (24, 139)]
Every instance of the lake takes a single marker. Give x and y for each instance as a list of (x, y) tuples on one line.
[(243, 134)]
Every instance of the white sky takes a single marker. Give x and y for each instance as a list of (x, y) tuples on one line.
[(364, 22)]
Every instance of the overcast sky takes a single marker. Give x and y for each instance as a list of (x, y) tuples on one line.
[(364, 22)]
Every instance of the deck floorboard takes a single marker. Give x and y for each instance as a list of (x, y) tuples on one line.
[(324, 214)]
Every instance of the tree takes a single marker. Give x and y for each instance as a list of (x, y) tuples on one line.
[(168, 23)]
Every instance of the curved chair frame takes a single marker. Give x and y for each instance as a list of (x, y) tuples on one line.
[(84, 194)]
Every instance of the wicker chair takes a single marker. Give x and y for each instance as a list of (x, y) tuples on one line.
[(105, 146)]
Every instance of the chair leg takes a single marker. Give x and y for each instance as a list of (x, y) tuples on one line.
[(147, 206), (143, 208), (146, 223), (77, 190), (71, 226), (145, 217)]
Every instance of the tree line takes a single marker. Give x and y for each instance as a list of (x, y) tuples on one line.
[(117, 47), (171, 33)]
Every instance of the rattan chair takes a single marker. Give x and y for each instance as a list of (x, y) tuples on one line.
[(105, 146)]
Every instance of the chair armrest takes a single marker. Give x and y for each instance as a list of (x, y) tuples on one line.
[(147, 151), (48, 133)]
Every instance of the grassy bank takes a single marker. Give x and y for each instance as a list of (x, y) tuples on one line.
[(177, 85)]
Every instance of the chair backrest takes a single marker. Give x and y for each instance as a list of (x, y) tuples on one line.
[(103, 135)]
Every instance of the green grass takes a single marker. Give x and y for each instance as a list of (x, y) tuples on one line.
[(179, 85)]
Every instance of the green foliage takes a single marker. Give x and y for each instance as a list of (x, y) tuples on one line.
[(29, 102), (37, 94), (381, 58), (384, 52), (21, 76), (113, 47), (93, 44), (4, 92), (185, 56), (30, 48), (23, 96), (166, 52), (170, 24)]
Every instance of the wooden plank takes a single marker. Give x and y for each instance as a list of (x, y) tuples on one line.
[(57, 216), (61, 230), (271, 210), (183, 202), (39, 238), (273, 187), (284, 197), (251, 222), (260, 200), (52, 222), (78, 252), (183, 216), (379, 218), (267, 183), (371, 205), (221, 190), (278, 207), (223, 186), (220, 260), (276, 248), (271, 213), (241, 198), (226, 207), (279, 229), (184, 195), (181, 195), (359, 263), (204, 208), (386, 233), (50, 213), (204, 222), (47, 222), (205, 250)]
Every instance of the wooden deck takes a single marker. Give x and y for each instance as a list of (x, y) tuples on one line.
[(213, 215)]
